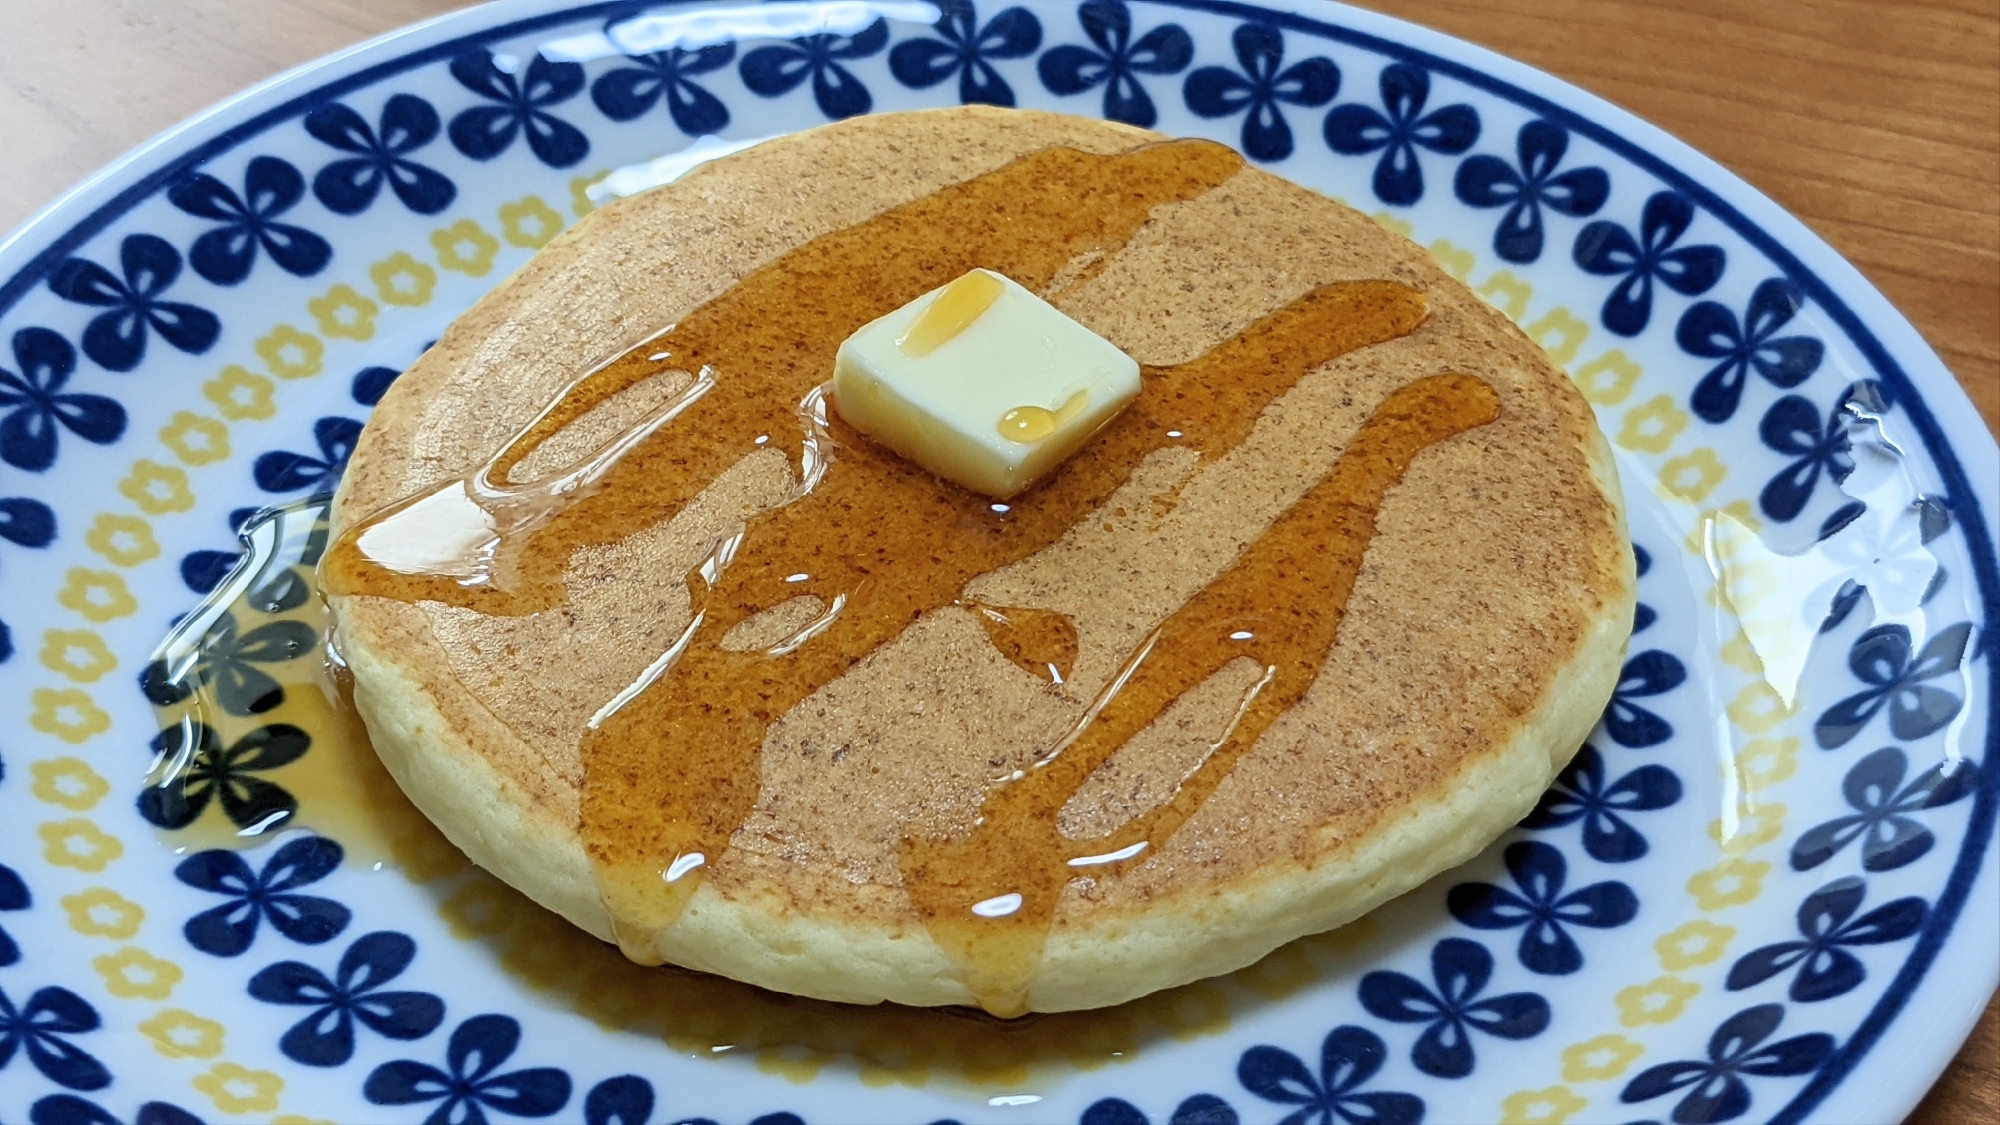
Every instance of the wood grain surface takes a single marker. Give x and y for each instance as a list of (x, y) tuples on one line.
[(1877, 122)]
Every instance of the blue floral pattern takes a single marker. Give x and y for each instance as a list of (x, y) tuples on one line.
[(1792, 428), (1116, 61), (1399, 129), (1580, 794), (1650, 673), (521, 108), (1539, 871), (1609, 250), (964, 48), (1826, 919), (1257, 89), (774, 71), (667, 77), (1885, 811), (13, 896), (227, 665), (1348, 1058), (1716, 1090), (211, 773), (268, 895), (225, 255), (466, 1087), (326, 1037), (1450, 1013), (1881, 659), (1710, 331), (349, 187), (283, 471), (36, 410), (40, 1030), (370, 384), (116, 339), (626, 1099), (1529, 185)]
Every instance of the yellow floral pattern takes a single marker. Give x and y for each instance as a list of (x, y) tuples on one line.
[(1753, 828), (1607, 380), (103, 912), (465, 247), (1731, 883), (1691, 477), (122, 540), (344, 314), (1661, 1000), (1759, 707), (529, 223), (1764, 762), (291, 354), (67, 713), (79, 844), (134, 974), (180, 1034), (238, 1089), (1652, 426), (402, 280), (78, 654), (1699, 942), (1561, 334), (68, 782), (97, 595), (194, 439), (1595, 1060), (157, 489), (241, 396), (1552, 1106)]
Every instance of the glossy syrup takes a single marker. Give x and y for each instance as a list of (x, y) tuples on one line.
[(257, 729), (671, 767)]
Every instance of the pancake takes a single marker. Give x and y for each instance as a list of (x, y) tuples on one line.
[(656, 640)]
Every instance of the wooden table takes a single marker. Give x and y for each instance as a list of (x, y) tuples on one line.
[(1875, 121)]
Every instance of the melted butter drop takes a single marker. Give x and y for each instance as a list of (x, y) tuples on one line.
[(952, 312), (1025, 424)]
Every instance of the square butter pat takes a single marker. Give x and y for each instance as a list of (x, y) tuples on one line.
[(982, 383)]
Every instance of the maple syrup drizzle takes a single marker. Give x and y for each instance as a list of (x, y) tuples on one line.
[(769, 340), (671, 768), (989, 895)]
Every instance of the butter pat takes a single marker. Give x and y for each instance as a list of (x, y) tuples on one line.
[(981, 382)]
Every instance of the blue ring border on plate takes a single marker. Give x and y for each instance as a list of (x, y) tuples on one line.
[(1958, 494)]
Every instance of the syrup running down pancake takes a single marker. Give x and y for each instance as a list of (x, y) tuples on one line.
[(658, 640)]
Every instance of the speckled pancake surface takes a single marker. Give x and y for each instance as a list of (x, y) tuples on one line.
[(1481, 639)]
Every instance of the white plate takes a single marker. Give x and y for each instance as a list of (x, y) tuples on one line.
[(1812, 913)]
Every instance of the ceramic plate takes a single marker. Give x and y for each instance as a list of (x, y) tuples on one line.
[(1763, 891)]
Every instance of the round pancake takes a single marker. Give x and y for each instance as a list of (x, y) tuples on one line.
[(1482, 638)]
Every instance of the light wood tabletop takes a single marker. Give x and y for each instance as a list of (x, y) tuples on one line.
[(1877, 122)]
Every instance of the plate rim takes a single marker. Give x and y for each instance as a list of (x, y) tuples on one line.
[(1953, 433)]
